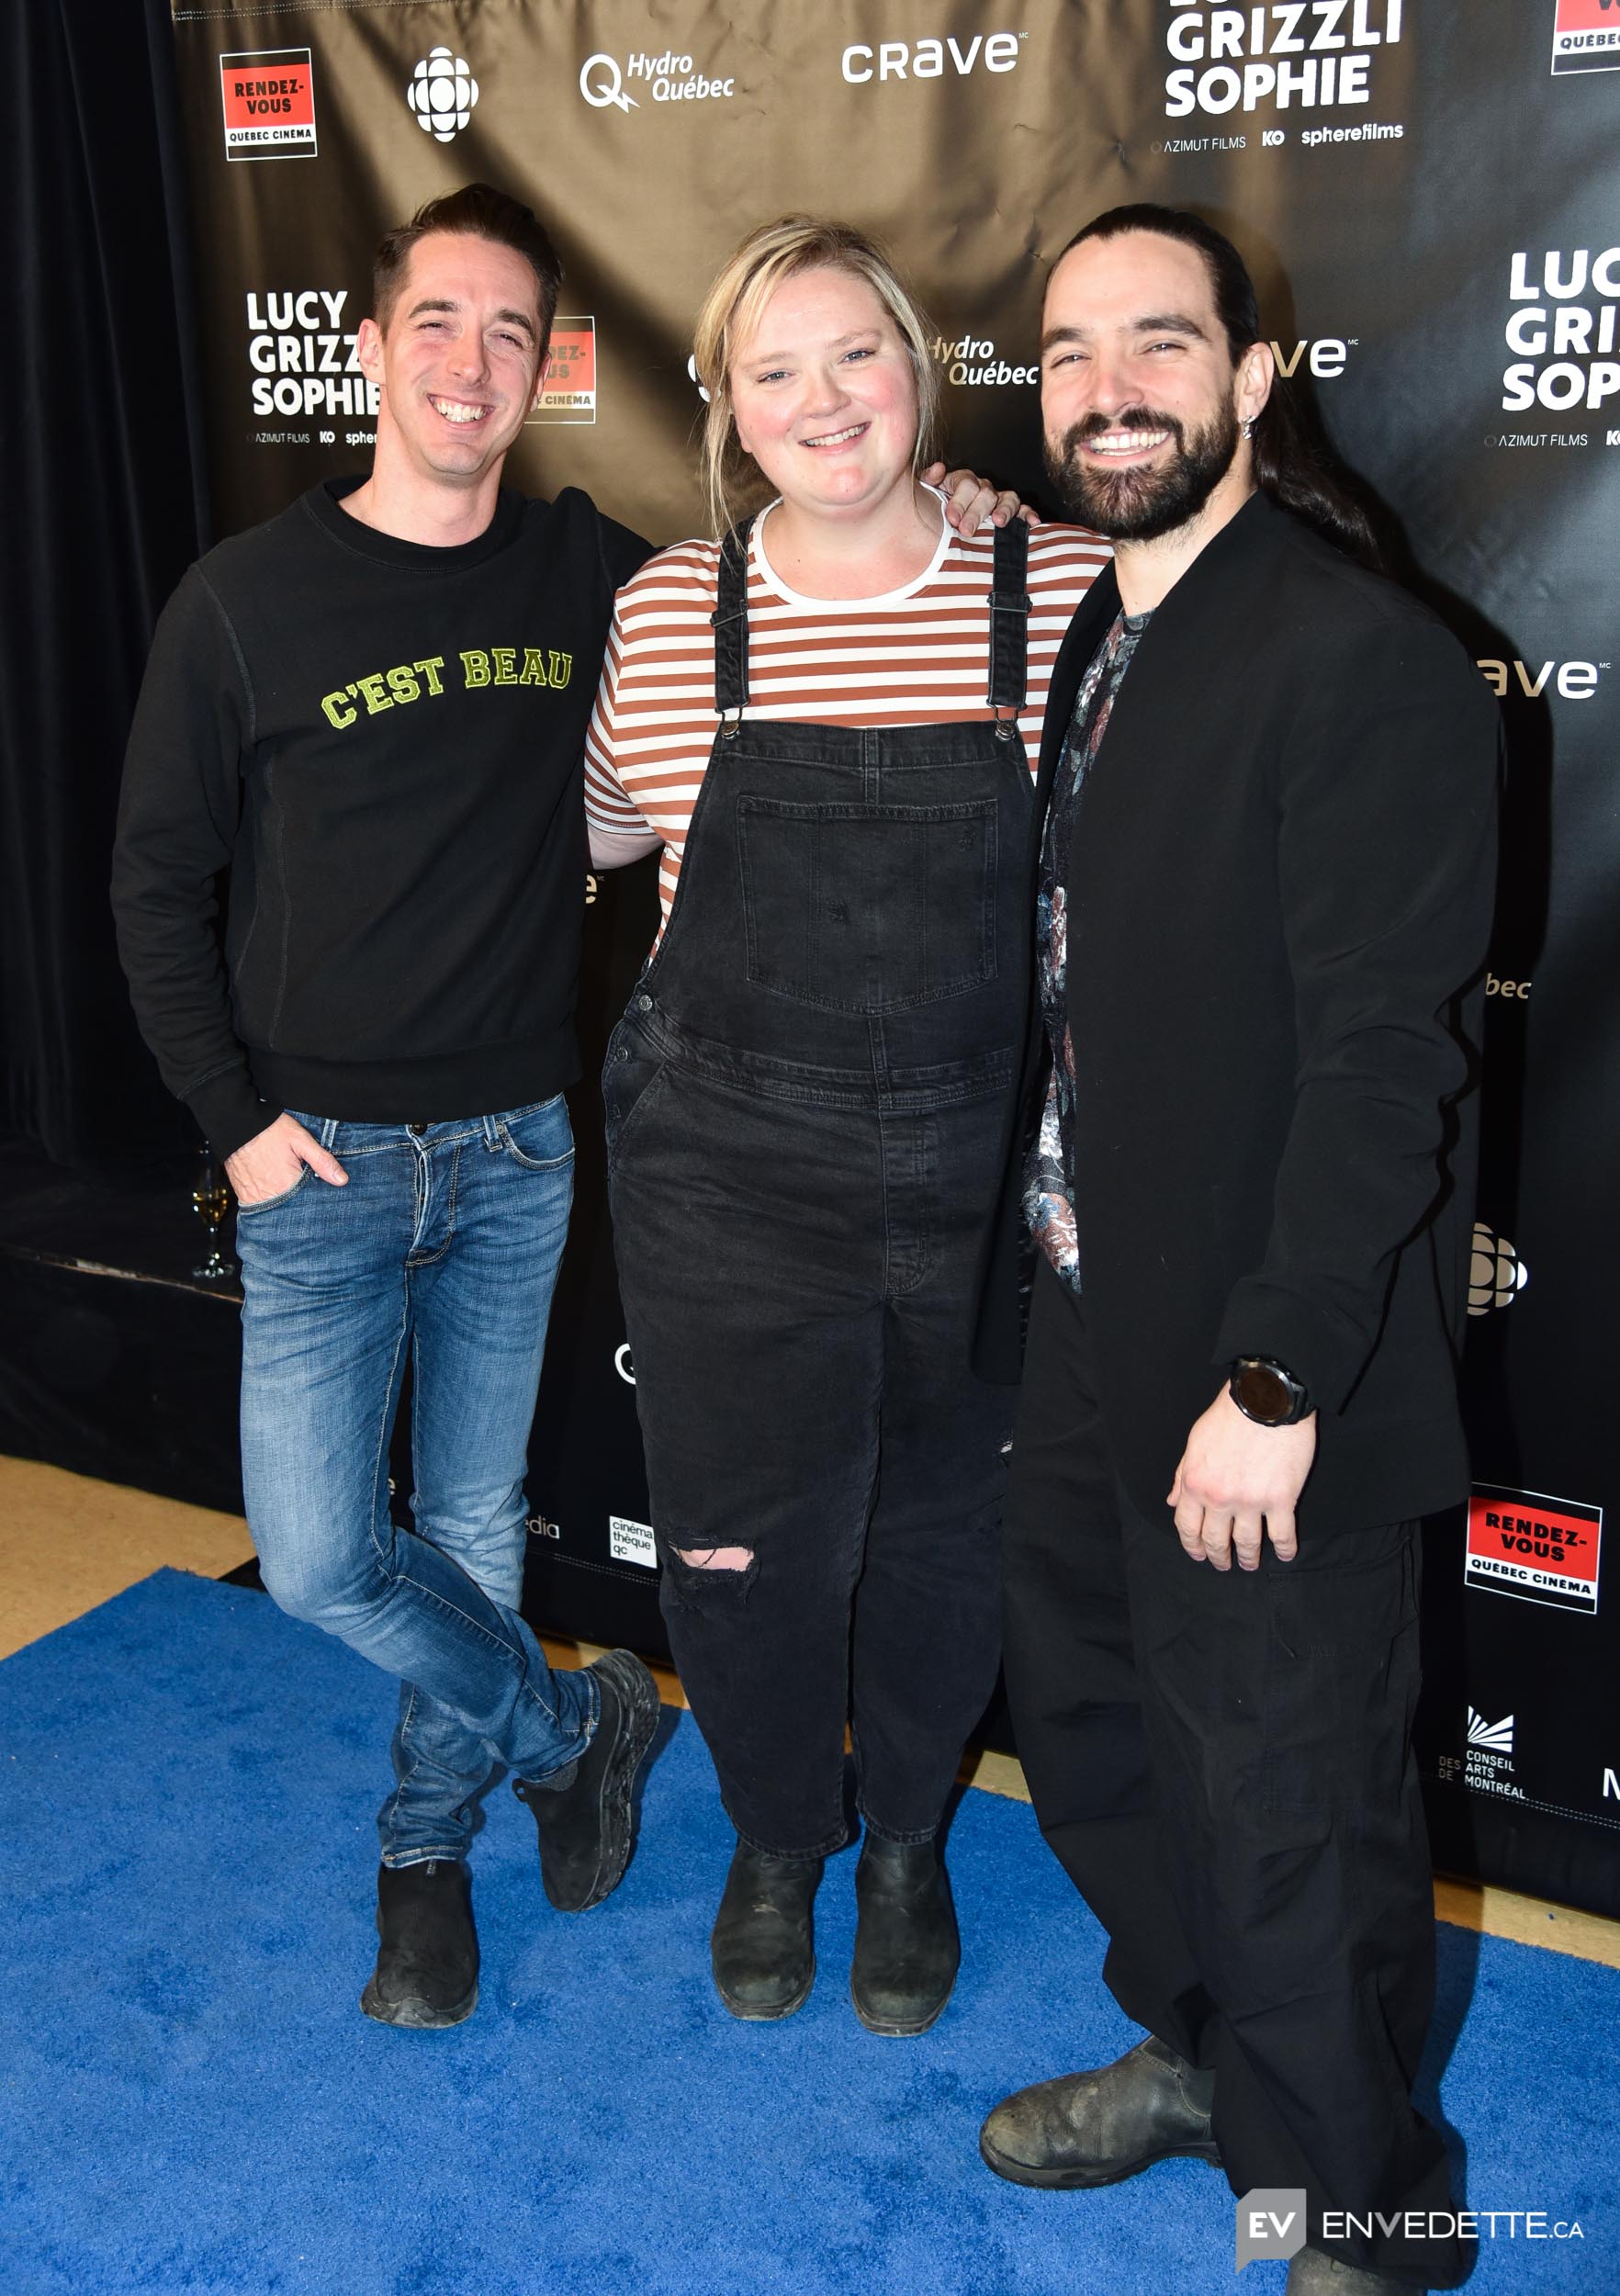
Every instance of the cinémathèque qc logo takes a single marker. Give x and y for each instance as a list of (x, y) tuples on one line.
[(1586, 35)]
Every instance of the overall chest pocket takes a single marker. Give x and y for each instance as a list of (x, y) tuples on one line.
[(868, 908)]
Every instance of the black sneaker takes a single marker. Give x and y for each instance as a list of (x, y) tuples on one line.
[(427, 1965), (584, 1826)]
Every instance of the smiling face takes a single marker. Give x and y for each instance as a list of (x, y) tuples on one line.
[(823, 396), (1142, 405), (458, 361)]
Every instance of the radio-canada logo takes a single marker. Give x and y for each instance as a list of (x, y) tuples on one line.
[(1586, 35), (1496, 1272), (442, 94), (568, 391), (1541, 1549), (268, 95)]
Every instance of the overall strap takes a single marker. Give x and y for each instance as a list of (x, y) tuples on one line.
[(1009, 618), (730, 624)]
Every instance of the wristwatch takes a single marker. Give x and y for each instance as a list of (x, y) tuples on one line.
[(1267, 1392)]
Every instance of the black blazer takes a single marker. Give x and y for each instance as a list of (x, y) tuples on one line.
[(1279, 899)]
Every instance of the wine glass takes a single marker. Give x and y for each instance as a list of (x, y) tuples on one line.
[(210, 1199)]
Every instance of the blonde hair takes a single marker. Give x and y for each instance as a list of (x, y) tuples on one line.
[(732, 309)]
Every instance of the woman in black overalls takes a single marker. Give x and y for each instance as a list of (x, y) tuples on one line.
[(805, 1104)]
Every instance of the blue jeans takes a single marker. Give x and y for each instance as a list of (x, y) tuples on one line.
[(447, 1239)]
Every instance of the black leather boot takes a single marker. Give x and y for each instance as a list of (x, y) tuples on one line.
[(763, 1946), (907, 1946), (427, 1965), (584, 1825), (1100, 2128), (1314, 2274)]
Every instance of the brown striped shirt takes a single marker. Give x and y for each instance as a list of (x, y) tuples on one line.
[(913, 657)]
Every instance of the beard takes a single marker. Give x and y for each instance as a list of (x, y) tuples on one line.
[(1139, 505)]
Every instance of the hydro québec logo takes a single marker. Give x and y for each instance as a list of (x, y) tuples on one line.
[(1563, 329), (1313, 53), (666, 79)]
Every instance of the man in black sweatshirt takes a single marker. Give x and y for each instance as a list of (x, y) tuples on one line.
[(369, 713)]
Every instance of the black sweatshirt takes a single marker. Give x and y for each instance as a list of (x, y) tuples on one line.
[(381, 741)]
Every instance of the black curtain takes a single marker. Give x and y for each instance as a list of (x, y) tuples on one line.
[(100, 476)]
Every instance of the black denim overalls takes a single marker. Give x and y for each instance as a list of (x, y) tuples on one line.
[(805, 1102)]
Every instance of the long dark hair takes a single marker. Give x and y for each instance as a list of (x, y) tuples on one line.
[(1288, 464)]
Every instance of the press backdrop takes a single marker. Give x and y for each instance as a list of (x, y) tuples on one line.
[(1429, 197)]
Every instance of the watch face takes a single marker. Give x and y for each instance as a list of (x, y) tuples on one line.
[(1262, 1394)]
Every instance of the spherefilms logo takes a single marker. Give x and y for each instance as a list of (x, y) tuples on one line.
[(1538, 1548), (1496, 1272), (1586, 35), (568, 391), (442, 94), (268, 96)]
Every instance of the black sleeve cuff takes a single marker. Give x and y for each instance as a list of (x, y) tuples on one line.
[(229, 1111)]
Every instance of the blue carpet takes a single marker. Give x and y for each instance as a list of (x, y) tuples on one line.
[(192, 2101)]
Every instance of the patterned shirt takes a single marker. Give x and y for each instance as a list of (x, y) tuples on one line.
[(913, 657), (1049, 1181)]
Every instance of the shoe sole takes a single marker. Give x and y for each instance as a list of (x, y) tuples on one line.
[(1087, 2179), (892, 2029), (766, 2016), (420, 2016), (617, 1783)]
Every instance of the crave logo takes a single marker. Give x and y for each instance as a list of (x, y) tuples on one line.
[(268, 95), (1586, 35), (931, 58), (1563, 326), (568, 394), (1541, 1549), (1312, 53)]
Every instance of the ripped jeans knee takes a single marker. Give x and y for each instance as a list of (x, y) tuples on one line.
[(703, 1578)]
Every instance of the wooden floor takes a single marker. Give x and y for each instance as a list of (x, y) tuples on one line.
[(68, 1543)]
